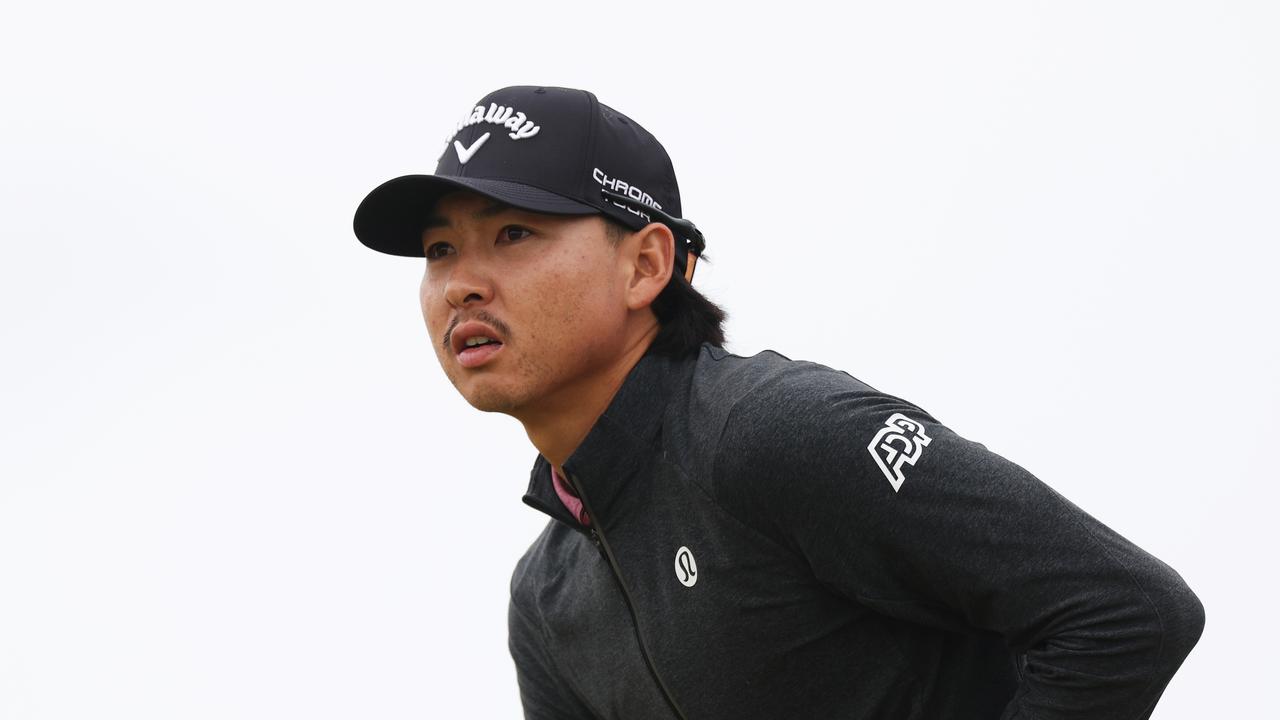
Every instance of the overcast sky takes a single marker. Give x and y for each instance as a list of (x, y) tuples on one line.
[(235, 484)]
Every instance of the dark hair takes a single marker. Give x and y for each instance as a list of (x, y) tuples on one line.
[(687, 318)]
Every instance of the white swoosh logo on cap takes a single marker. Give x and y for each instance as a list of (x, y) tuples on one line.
[(465, 153)]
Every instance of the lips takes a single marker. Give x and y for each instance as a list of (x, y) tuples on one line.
[(474, 343)]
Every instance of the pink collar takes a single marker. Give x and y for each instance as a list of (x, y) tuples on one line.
[(571, 501)]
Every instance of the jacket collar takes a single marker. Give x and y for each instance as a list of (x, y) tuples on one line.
[(619, 443)]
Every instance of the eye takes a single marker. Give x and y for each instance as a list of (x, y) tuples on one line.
[(435, 251), (513, 233)]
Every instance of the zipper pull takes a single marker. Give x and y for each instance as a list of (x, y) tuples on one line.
[(595, 538)]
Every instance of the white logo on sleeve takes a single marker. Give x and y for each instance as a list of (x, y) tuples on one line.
[(899, 442), (686, 568)]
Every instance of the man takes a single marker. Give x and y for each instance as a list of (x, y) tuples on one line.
[(740, 537)]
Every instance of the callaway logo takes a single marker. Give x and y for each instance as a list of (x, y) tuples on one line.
[(686, 568), (909, 436), (465, 153), (520, 126)]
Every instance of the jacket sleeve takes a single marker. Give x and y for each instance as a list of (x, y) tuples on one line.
[(899, 513), (543, 693)]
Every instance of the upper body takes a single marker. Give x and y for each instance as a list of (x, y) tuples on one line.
[(794, 543), (752, 537)]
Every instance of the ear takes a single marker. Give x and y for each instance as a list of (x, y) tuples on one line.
[(650, 255)]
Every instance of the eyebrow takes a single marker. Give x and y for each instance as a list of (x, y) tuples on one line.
[(484, 213)]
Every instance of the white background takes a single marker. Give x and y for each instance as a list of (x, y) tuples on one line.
[(235, 484)]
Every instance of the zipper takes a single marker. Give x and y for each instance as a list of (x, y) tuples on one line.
[(597, 537)]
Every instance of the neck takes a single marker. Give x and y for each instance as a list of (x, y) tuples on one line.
[(558, 425)]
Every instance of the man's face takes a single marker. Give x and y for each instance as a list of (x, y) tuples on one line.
[(548, 288)]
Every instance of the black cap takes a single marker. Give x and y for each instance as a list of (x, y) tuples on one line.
[(545, 149)]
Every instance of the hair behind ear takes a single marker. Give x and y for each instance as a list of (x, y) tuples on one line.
[(686, 317)]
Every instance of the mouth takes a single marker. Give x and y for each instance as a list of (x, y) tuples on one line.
[(475, 343)]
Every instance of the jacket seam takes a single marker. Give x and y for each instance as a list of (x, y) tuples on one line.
[(712, 496)]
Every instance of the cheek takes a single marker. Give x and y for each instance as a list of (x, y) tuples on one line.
[(434, 308), (586, 311)]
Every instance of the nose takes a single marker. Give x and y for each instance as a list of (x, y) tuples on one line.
[(467, 284)]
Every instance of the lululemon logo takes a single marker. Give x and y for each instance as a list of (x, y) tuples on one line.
[(686, 568)]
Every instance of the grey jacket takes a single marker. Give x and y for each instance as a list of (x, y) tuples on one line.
[(775, 539)]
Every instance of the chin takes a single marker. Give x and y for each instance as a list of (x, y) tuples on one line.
[(487, 398), (492, 404)]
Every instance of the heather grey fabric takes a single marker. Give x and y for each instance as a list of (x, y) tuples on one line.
[(972, 591)]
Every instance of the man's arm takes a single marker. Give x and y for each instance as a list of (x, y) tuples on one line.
[(900, 514)]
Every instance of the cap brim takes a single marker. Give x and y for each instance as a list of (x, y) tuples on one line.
[(391, 218)]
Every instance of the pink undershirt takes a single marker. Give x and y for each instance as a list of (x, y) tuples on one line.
[(571, 501)]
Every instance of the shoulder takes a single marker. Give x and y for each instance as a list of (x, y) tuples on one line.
[(787, 436), (768, 402), (723, 374)]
